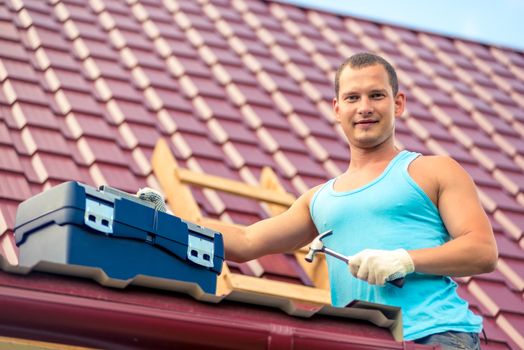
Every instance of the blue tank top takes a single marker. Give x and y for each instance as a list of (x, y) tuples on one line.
[(391, 212)]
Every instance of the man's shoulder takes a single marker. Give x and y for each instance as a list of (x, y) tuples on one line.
[(306, 197), (436, 160), (311, 192), (437, 165)]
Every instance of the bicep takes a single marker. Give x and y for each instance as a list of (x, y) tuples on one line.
[(459, 204)]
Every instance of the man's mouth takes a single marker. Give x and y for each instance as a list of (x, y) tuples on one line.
[(366, 122)]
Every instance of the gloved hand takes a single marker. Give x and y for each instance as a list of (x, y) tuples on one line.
[(381, 266), (151, 195)]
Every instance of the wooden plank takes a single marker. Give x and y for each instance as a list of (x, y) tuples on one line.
[(26, 344), (280, 289), (269, 181), (181, 201), (316, 270), (234, 187), (179, 196)]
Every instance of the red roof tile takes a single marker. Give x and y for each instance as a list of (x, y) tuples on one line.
[(444, 44), (481, 139), (9, 204), (254, 156), (85, 98), (508, 248), (335, 148), (5, 138), (287, 140), (237, 131), (500, 159), (239, 74), (194, 66), (306, 164), (503, 199), (23, 114), (25, 91), (506, 300), (495, 337), (55, 167), (474, 303), (240, 204), (30, 172), (12, 50), (459, 116), (517, 267), (255, 95), (436, 129), (15, 69), (494, 276), (186, 122), (14, 187), (516, 320), (171, 99), (47, 140), (58, 59), (312, 73), (411, 143), (202, 146), (480, 175), (460, 86), (207, 87), (283, 268), (106, 67), (145, 135), (256, 47), (119, 177), (180, 48)]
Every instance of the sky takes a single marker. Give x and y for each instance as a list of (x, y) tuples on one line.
[(498, 22)]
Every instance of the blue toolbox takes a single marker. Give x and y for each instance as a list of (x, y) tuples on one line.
[(119, 233)]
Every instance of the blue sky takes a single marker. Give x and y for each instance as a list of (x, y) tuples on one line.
[(499, 22)]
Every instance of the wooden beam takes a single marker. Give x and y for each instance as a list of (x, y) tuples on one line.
[(269, 181), (174, 181), (26, 344), (317, 269), (179, 197), (234, 187), (280, 289)]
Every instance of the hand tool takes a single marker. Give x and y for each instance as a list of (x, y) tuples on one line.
[(318, 246)]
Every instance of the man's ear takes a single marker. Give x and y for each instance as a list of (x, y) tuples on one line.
[(336, 109), (400, 103)]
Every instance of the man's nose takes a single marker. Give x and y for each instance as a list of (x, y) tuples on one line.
[(365, 107)]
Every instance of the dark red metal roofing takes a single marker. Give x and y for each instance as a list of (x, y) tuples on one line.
[(76, 311), (87, 88)]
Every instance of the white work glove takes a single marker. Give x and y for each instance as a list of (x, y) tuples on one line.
[(151, 195), (381, 266)]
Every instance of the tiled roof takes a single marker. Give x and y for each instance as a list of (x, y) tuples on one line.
[(88, 87)]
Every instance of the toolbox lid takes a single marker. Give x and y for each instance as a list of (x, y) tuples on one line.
[(120, 215)]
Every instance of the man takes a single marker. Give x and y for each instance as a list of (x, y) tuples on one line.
[(396, 213)]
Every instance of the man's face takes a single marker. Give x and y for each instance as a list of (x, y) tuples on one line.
[(366, 108)]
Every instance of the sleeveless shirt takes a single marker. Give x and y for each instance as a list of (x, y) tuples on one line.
[(391, 212)]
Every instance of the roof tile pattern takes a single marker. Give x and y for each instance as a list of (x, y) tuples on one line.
[(88, 87)]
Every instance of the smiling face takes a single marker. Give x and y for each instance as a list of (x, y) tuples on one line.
[(366, 107)]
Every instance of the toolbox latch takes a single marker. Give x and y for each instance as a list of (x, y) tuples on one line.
[(200, 250), (99, 215)]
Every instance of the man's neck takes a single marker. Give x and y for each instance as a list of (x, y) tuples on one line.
[(364, 158)]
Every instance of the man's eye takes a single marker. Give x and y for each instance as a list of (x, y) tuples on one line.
[(377, 96), (352, 97)]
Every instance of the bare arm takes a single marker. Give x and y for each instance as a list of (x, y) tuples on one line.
[(473, 248), (282, 233)]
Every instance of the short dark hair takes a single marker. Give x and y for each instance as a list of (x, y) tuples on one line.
[(366, 59)]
